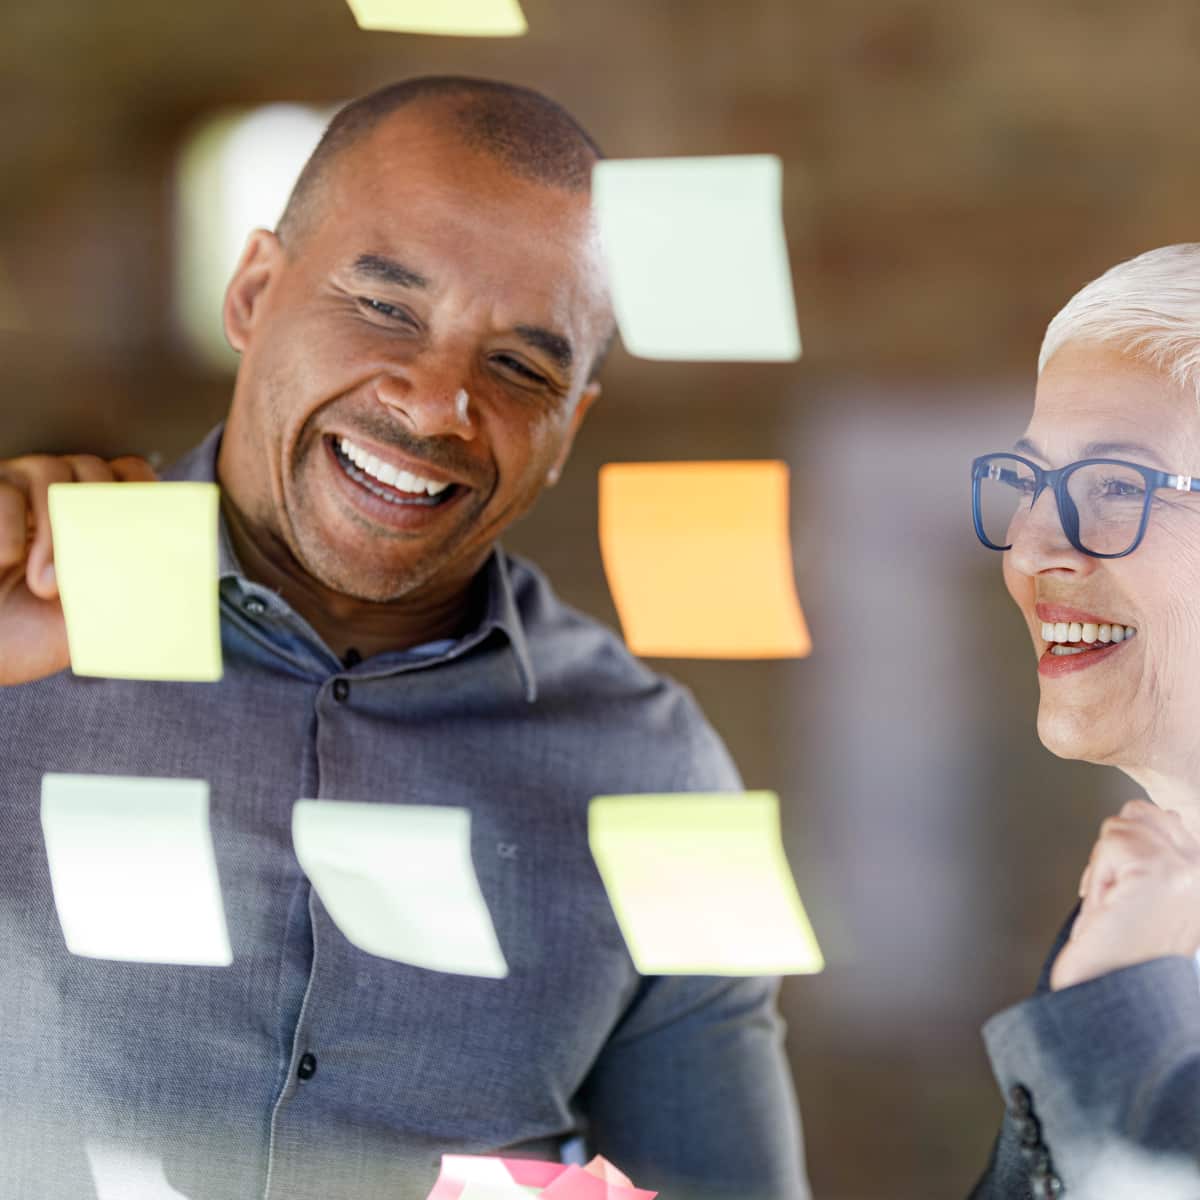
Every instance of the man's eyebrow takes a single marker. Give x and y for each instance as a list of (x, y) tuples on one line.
[(1025, 446), (553, 344), (388, 270)]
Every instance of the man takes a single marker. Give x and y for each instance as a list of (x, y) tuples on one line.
[(418, 348)]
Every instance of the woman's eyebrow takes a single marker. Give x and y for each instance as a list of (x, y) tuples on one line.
[(1107, 449), (1025, 446)]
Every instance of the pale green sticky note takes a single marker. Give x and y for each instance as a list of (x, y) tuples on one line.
[(399, 882), (133, 869), (457, 18), (700, 884), (137, 571), (697, 257)]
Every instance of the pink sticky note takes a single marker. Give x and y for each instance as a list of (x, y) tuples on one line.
[(577, 1184), (460, 1170)]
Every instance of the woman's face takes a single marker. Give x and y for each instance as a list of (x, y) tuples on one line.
[(1136, 705)]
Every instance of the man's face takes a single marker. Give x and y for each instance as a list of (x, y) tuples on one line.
[(1135, 705), (436, 316)]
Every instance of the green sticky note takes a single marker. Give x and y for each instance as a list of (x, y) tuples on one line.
[(676, 231), (137, 572), (455, 18), (700, 884)]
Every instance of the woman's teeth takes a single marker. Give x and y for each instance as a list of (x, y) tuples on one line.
[(402, 481), (1062, 634)]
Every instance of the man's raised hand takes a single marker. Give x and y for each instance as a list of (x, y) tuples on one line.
[(33, 636)]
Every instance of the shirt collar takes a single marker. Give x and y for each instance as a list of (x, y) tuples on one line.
[(199, 465)]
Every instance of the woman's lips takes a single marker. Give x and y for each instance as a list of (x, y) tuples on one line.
[(1051, 665)]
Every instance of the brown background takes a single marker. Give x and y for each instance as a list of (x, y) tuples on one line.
[(954, 171)]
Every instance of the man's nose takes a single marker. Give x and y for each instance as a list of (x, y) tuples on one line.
[(1039, 542), (431, 398)]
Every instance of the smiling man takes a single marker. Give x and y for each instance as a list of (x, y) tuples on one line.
[(419, 342)]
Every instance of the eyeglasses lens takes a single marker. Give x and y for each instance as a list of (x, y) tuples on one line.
[(1006, 488), (1109, 500)]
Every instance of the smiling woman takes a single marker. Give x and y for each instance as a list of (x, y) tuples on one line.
[(1097, 516)]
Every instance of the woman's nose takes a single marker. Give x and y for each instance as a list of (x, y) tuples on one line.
[(431, 399), (1039, 542)]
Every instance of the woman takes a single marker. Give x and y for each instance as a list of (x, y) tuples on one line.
[(1098, 518)]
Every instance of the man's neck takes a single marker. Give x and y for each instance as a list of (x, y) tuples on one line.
[(353, 629)]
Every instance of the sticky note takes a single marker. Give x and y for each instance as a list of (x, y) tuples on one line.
[(577, 1184), (699, 560), (480, 1177), (486, 1177), (137, 572), (700, 884), (399, 882), (133, 869), (697, 257), (120, 1172), (457, 18)]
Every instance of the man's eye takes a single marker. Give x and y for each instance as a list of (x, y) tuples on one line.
[(387, 310), (519, 368)]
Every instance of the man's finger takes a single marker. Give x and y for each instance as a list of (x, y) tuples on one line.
[(131, 469), (14, 525), (40, 473)]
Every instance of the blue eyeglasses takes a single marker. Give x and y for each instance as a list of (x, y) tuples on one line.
[(1103, 503)]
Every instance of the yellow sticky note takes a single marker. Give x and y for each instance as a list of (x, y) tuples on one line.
[(137, 571), (699, 560), (700, 884), (678, 231), (456, 18)]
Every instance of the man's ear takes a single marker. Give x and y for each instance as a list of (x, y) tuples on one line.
[(587, 398), (260, 262)]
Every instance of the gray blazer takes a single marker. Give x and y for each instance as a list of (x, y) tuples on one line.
[(1102, 1086)]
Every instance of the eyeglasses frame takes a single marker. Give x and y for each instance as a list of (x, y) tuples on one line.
[(1068, 514)]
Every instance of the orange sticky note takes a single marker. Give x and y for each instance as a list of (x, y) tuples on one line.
[(699, 560)]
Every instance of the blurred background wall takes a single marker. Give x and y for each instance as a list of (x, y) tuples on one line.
[(954, 171)]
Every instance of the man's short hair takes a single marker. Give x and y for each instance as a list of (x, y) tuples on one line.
[(531, 135), (1147, 307)]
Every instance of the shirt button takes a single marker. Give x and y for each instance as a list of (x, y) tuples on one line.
[(307, 1067), (254, 607), (341, 690)]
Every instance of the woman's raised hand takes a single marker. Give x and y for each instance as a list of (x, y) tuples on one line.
[(1141, 896)]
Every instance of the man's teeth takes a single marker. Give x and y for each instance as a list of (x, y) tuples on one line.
[(1063, 633), (403, 481)]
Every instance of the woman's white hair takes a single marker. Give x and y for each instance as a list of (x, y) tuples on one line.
[(1147, 307)]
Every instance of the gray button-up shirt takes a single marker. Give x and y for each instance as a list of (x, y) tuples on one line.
[(309, 1069)]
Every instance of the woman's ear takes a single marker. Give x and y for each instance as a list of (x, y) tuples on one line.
[(256, 268)]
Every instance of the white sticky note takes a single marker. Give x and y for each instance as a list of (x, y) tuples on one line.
[(456, 18), (697, 257), (137, 570), (121, 1173), (399, 882), (700, 884), (133, 869)]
